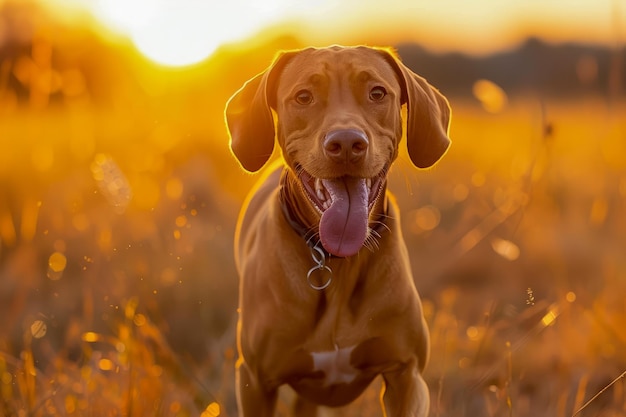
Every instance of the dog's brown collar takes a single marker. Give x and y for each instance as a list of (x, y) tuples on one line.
[(310, 234)]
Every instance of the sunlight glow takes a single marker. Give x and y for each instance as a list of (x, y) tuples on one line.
[(491, 96), (505, 248), (212, 410), (38, 329), (90, 337), (105, 364), (549, 318), (570, 297), (187, 31), (57, 262)]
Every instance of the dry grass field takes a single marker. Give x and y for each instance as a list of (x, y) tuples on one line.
[(118, 202)]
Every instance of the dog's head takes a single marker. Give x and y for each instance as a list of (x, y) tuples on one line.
[(338, 125)]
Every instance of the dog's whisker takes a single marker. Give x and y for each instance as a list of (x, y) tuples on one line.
[(374, 233), (371, 244), (380, 224), (372, 240), (387, 216)]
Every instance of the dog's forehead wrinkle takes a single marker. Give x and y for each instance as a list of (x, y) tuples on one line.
[(295, 78), (332, 60), (339, 69)]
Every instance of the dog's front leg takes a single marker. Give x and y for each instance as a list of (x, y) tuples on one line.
[(253, 399), (405, 393)]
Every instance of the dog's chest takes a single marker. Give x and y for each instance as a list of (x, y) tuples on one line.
[(335, 366)]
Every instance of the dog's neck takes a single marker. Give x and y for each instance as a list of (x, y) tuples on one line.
[(305, 223)]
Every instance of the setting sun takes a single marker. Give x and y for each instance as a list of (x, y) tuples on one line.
[(186, 32)]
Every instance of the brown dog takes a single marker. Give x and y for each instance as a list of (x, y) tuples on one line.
[(327, 299)]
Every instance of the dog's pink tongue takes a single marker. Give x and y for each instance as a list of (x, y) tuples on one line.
[(343, 226)]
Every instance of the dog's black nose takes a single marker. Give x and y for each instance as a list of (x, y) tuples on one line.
[(346, 145)]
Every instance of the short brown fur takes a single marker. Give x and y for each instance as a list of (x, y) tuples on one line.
[(329, 344)]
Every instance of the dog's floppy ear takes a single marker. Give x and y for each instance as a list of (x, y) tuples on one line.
[(249, 117), (428, 116)]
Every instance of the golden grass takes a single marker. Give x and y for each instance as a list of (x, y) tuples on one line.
[(521, 268)]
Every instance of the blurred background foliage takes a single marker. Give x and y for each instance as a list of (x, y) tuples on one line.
[(119, 197)]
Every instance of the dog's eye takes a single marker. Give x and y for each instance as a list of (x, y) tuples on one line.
[(304, 97), (377, 93)]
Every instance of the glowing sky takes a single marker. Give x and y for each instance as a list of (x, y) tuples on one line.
[(180, 32)]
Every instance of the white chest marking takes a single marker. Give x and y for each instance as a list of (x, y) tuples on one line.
[(335, 365)]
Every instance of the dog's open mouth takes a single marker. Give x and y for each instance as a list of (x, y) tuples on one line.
[(344, 204)]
